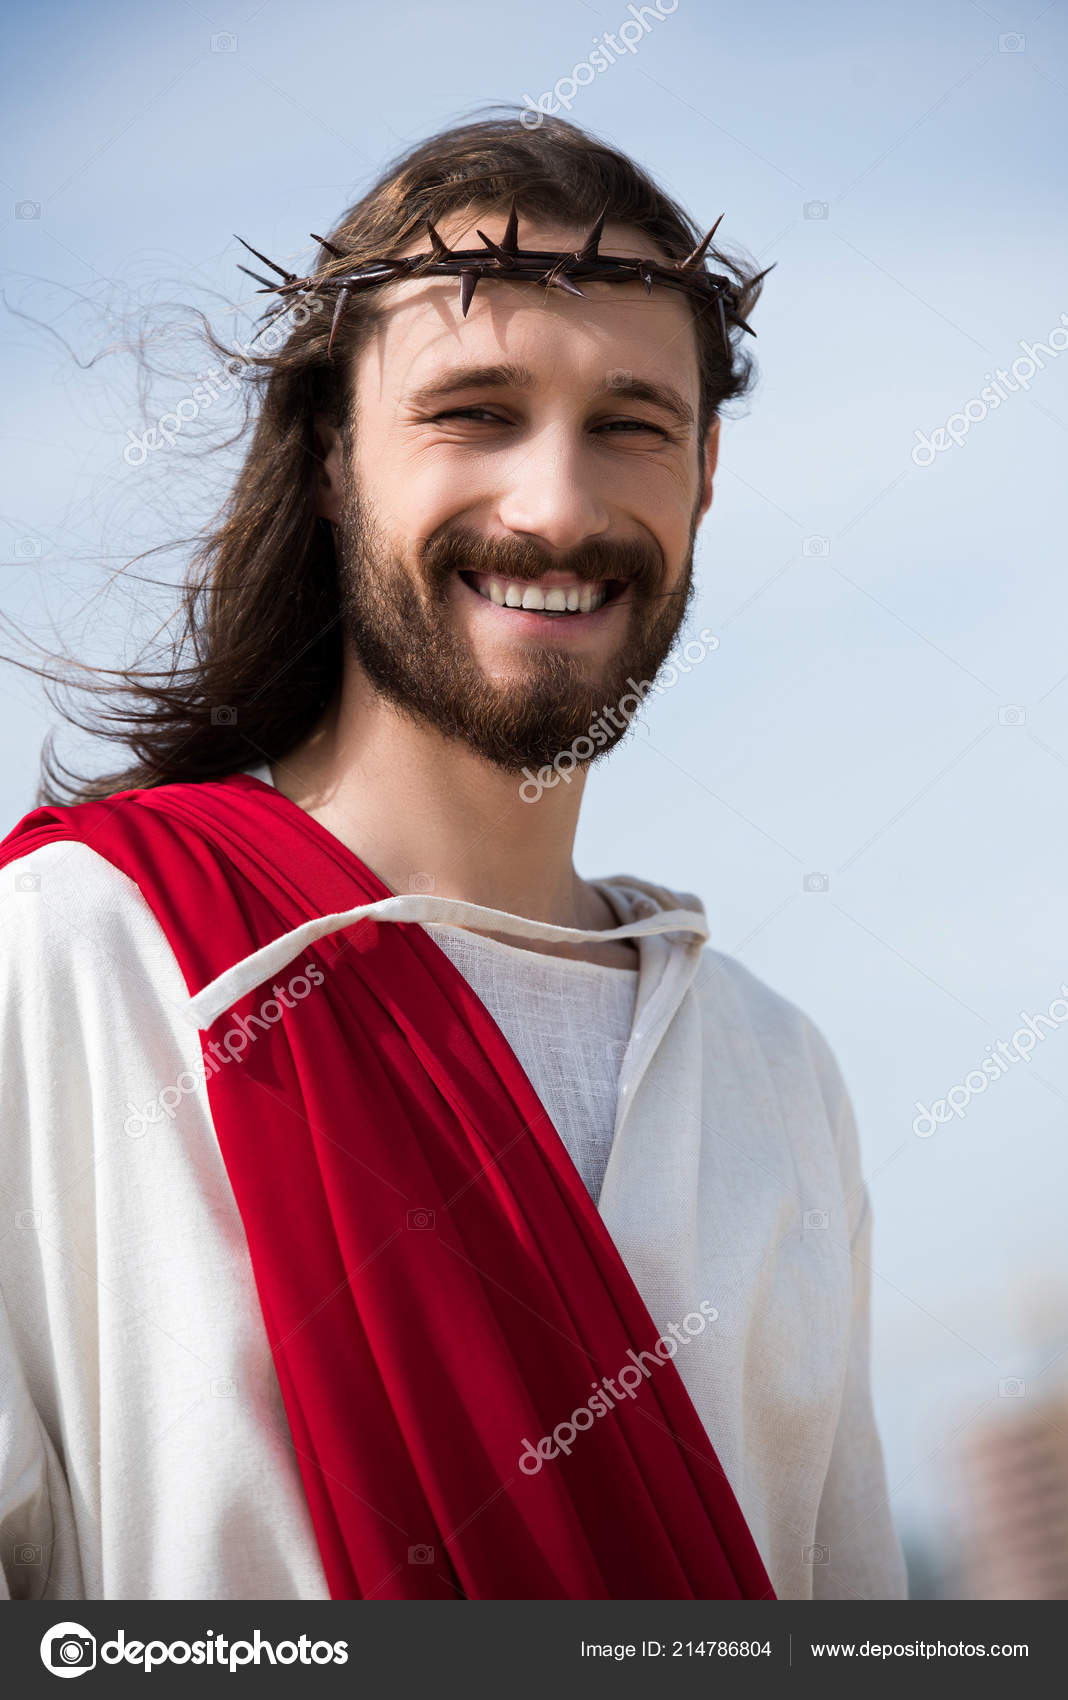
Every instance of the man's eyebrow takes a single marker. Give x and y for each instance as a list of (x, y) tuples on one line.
[(506, 376), (512, 376), (664, 396)]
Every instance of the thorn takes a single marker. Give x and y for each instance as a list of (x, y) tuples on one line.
[(510, 239), (559, 282), (693, 260), (505, 258), (441, 251), (723, 326), (588, 251), (266, 282), (329, 246), (342, 299), (468, 283), (290, 277), (764, 273)]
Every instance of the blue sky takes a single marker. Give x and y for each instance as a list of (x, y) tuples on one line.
[(888, 704)]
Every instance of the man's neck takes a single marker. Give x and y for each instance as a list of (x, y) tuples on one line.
[(428, 814)]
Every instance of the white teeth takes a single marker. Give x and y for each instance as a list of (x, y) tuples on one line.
[(508, 593)]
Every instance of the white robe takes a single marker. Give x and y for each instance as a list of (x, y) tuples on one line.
[(144, 1447)]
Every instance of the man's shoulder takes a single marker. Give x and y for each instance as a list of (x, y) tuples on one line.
[(793, 1049), (113, 851), (66, 910), (67, 875), (86, 970), (732, 994), (724, 977)]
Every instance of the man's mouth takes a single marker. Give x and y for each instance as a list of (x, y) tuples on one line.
[(554, 595)]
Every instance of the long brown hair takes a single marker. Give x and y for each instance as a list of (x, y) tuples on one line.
[(255, 653)]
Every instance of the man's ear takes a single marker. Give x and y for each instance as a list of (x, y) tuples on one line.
[(709, 457), (328, 441)]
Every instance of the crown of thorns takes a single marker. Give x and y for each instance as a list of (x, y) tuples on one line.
[(507, 260)]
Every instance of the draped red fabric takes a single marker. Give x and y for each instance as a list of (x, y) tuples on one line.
[(438, 1289)]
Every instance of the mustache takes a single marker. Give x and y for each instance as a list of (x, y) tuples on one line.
[(632, 560)]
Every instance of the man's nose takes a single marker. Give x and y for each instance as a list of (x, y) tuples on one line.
[(548, 491)]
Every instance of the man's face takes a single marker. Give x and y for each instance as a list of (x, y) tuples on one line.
[(516, 521)]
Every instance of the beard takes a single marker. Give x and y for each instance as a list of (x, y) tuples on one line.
[(403, 633)]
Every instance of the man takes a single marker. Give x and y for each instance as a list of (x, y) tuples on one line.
[(393, 1213)]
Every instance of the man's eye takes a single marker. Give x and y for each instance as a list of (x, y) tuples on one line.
[(626, 427), (631, 425), (468, 413)]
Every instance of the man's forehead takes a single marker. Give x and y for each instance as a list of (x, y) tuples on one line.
[(421, 330)]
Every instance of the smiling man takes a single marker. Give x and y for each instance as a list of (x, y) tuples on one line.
[(394, 1212)]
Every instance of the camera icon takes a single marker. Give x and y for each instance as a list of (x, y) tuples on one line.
[(815, 1218), (421, 1221), (420, 884), (27, 1219), (27, 209), (816, 209), (74, 1651), (1011, 1387), (224, 1387), (224, 42), (816, 546), (68, 1649), (27, 882), (1012, 43), (815, 1555), (28, 1554), (224, 716), (1011, 714), (420, 1555), (816, 882), (27, 548), (619, 377)]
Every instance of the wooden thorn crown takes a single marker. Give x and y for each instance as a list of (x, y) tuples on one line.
[(516, 265)]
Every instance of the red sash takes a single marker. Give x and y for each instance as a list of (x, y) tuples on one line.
[(438, 1289)]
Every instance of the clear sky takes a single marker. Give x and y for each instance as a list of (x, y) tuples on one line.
[(888, 703)]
